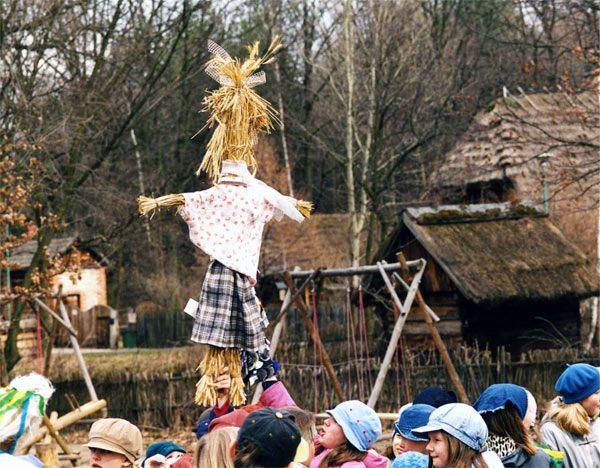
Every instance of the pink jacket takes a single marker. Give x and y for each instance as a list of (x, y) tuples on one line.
[(373, 460), (275, 396)]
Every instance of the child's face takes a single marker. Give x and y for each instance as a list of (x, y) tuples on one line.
[(530, 415), (592, 404), (331, 434), (402, 445), (437, 449)]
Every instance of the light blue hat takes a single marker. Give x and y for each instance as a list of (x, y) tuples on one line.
[(460, 421), (411, 460), (360, 424)]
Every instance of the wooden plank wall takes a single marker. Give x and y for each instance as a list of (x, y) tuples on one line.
[(439, 293)]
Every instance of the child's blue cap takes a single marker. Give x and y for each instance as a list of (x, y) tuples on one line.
[(360, 424), (460, 421)]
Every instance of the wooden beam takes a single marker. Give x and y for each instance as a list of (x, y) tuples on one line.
[(47, 453), (397, 331), (65, 421), (337, 388), (398, 278), (59, 439), (285, 305), (65, 323), (363, 270), (439, 344), (78, 354)]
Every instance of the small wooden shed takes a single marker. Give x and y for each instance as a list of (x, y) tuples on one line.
[(85, 292), (87, 289), (498, 274)]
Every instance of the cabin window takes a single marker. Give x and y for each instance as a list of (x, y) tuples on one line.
[(73, 300), (490, 191)]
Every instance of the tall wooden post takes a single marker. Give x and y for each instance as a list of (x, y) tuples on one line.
[(337, 388), (393, 343), (437, 339), (77, 350)]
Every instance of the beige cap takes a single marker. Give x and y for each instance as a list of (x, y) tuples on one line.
[(116, 435)]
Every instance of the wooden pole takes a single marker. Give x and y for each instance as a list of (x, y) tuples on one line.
[(78, 355), (337, 388), (64, 323), (432, 314), (275, 338), (48, 454), (393, 344), (285, 305), (66, 420), (59, 439), (439, 344), (355, 271), (51, 336)]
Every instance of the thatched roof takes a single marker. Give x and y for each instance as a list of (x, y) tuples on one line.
[(23, 255), (501, 252), (506, 140), (323, 240)]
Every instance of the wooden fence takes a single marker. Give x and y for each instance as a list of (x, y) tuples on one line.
[(163, 328), (161, 400)]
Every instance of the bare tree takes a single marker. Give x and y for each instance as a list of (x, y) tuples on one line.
[(76, 75)]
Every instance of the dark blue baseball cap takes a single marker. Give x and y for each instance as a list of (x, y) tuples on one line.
[(435, 396)]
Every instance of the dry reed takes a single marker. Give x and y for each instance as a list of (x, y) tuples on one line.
[(147, 204), (236, 110)]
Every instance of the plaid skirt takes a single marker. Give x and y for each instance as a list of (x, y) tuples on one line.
[(229, 314)]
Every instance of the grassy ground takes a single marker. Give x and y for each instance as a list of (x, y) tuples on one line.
[(105, 363)]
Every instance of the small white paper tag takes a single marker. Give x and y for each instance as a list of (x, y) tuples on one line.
[(191, 307)]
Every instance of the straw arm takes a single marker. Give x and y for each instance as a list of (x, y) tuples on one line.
[(147, 205), (304, 207)]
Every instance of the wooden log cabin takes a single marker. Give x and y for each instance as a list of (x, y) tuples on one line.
[(498, 274)]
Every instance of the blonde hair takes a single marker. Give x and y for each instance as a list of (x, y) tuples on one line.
[(305, 421), (214, 448), (570, 417)]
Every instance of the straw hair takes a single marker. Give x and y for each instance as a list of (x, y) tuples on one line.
[(571, 418), (237, 113), (211, 366)]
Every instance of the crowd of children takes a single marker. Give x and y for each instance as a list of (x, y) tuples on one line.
[(435, 430)]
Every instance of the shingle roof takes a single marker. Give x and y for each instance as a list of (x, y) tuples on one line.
[(23, 254)]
